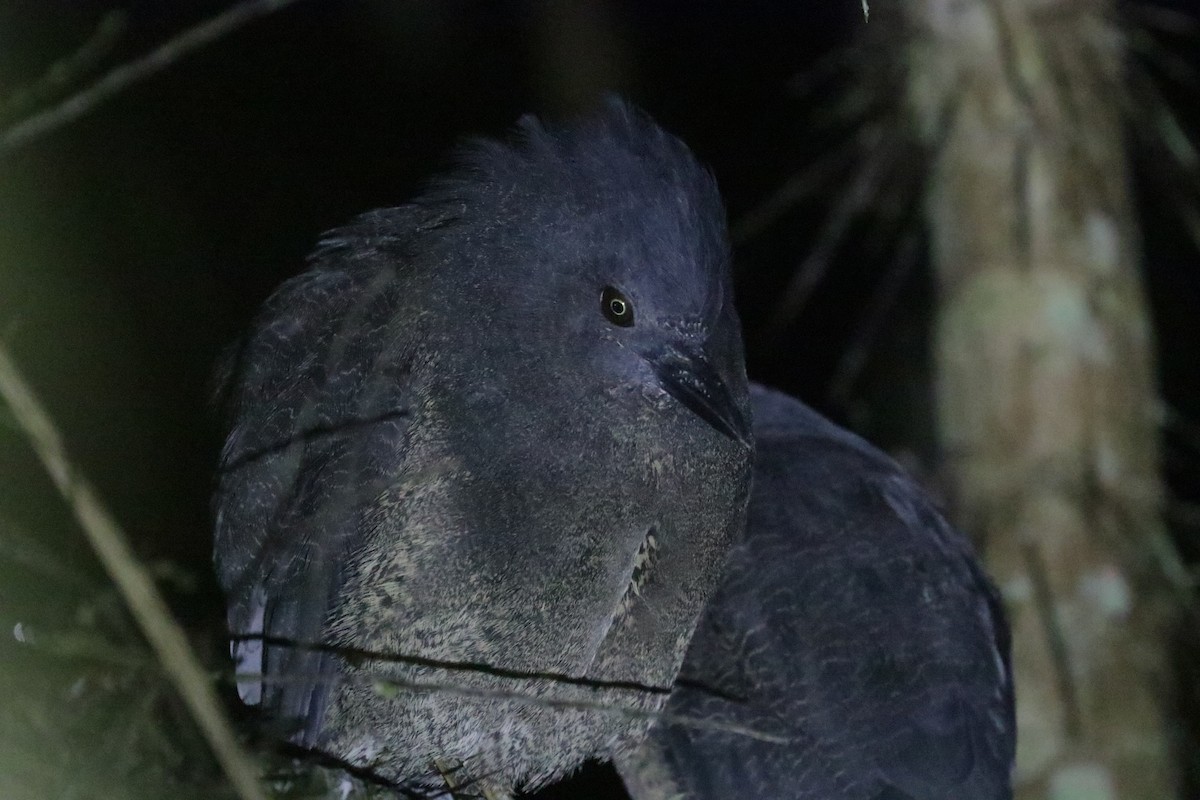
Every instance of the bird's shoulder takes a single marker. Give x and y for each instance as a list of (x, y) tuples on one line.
[(853, 617), (319, 403)]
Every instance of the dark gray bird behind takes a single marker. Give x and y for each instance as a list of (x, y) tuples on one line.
[(854, 624), (494, 439)]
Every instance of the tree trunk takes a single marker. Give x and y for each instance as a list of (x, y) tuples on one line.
[(1045, 377)]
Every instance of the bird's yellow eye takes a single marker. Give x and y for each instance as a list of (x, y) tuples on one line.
[(616, 307)]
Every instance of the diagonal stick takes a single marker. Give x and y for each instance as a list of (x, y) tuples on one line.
[(126, 75), (134, 582)]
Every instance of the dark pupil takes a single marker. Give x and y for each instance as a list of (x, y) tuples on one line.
[(616, 308)]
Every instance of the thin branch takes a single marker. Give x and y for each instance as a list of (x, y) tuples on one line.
[(26, 550), (389, 687), (825, 69), (68, 71), (896, 237), (136, 586), (1191, 222), (1155, 54), (854, 358), (815, 176), (360, 654), (1050, 615), (1186, 514), (1172, 419), (854, 200), (1167, 20), (126, 75), (1150, 106)]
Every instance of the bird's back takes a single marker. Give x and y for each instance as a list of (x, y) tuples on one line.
[(853, 629)]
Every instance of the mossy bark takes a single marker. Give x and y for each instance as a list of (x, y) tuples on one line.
[(1045, 380)]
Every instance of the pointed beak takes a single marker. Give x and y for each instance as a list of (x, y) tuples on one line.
[(687, 375)]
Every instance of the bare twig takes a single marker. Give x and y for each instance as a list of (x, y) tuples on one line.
[(854, 357), (1050, 614), (895, 236), (1156, 54), (136, 586), (825, 69), (1186, 514), (83, 645), (854, 199), (126, 75), (388, 688), (1172, 419), (28, 551), (803, 184), (1191, 221), (68, 71), (1158, 18)]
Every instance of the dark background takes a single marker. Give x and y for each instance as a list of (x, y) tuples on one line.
[(136, 242)]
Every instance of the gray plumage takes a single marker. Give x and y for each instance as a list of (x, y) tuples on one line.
[(453, 461), (854, 623)]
